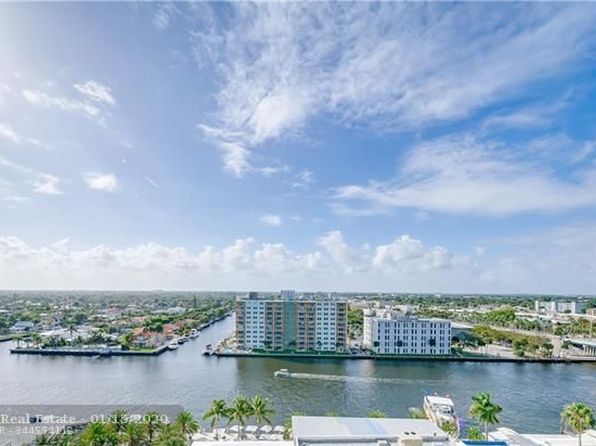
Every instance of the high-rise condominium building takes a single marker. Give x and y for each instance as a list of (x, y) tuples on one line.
[(291, 323), (392, 333)]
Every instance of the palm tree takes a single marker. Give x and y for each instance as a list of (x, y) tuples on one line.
[(119, 420), (45, 439), (578, 417), (261, 409), (485, 411), (134, 434), (217, 411), (288, 429), (376, 413), (187, 423), (152, 424), (240, 412), (67, 439), (71, 329), (171, 435), (96, 433)]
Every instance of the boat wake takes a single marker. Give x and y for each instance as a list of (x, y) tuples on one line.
[(360, 379)]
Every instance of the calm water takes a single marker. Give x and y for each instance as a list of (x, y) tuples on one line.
[(532, 394)]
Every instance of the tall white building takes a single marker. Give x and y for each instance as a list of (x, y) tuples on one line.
[(290, 323), (391, 333)]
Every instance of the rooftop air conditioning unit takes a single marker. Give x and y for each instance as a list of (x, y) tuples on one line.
[(410, 440)]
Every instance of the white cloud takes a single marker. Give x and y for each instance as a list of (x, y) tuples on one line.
[(43, 183), (47, 184), (235, 158), (389, 66), (96, 92), (340, 252), (271, 220), (242, 264), (94, 104), (303, 179), (465, 175), (164, 14), (406, 253), (101, 182), (8, 132), (556, 260), (43, 99)]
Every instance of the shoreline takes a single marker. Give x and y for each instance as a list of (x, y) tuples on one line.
[(104, 352), (587, 360)]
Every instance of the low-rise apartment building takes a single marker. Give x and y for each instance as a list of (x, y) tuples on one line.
[(556, 306), (291, 323), (389, 332)]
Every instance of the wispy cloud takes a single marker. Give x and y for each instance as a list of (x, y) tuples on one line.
[(43, 99), (388, 66), (164, 14), (101, 182), (303, 179), (151, 181), (271, 220), (8, 132), (47, 184), (96, 92), (465, 175), (43, 183), (96, 98)]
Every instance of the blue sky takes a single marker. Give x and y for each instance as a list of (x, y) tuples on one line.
[(329, 146)]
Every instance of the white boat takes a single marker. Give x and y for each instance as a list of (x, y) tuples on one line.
[(194, 333), (208, 350), (173, 345), (282, 373), (439, 409)]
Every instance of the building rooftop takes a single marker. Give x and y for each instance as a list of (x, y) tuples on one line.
[(514, 438), (440, 400), (333, 430)]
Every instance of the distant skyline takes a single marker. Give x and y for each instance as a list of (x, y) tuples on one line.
[(401, 147)]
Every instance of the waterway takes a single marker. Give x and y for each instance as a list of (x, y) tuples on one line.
[(532, 395)]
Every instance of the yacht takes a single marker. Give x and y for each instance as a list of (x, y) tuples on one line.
[(439, 409), (173, 345), (282, 373)]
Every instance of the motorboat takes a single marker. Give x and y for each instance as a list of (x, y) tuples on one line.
[(281, 373), (439, 409), (173, 345)]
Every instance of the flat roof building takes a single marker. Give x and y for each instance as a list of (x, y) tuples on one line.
[(329, 431), (388, 332), (288, 323)]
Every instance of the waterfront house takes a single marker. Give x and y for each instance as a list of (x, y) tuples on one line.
[(22, 327), (143, 338)]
